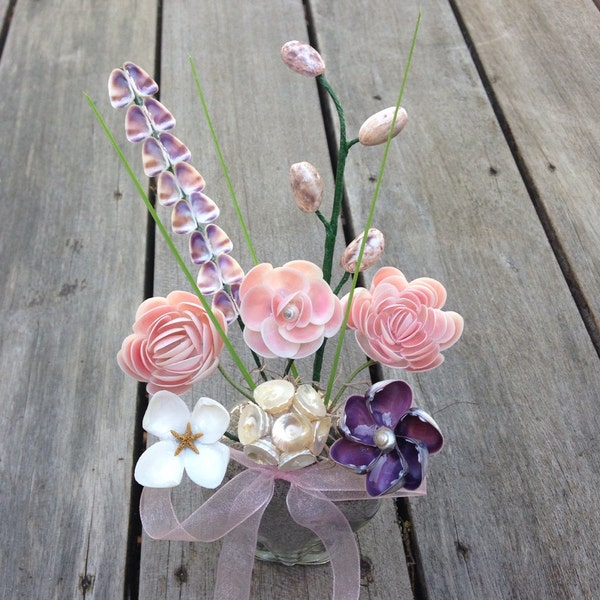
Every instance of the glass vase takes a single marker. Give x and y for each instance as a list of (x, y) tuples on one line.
[(282, 540)]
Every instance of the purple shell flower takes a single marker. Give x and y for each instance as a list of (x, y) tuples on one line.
[(386, 439)]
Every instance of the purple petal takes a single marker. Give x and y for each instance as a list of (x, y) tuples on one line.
[(388, 401), (182, 219), (205, 210), (415, 455), (143, 83), (199, 249), (137, 126), (189, 179), (357, 457), (209, 280), (153, 157), (418, 425), (160, 114), (387, 474), (219, 240), (223, 302), (167, 189), (357, 422), (175, 148), (119, 90), (231, 272)]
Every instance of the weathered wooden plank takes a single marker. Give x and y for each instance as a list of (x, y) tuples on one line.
[(267, 118), (543, 64), (67, 271), (511, 512)]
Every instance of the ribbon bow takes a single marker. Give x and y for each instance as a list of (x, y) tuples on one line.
[(235, 511)]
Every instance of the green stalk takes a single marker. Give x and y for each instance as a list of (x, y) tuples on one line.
[(338, 350), (213, 135), (159, 224)]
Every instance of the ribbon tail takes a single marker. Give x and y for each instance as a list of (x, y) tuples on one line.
[(236, 561), (316, 512)]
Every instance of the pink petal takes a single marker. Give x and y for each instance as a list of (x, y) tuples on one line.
[(255, 305), (255, 276)]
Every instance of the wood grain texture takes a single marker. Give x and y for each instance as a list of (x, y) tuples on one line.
[(67, 413), (266, 118), (543, 65), (510, 511)]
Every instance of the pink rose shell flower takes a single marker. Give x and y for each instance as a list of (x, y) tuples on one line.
[(401, 324), (288, 310), (173, 344)]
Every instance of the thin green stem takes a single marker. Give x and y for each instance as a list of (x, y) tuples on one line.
[(213, 134), (159, 224), (340, 343), (234, 384), (351, 377), (342, 282)]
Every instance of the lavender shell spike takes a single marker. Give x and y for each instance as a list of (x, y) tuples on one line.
[(231, 272), (182, 219), (204, 209), (200, 251), (137, 126), (162, 119), (119, 90), (209, 279), (176, 150), (153, 157), (222, 301), (167, 189), (188, 178), (219, 241), (143, 84)]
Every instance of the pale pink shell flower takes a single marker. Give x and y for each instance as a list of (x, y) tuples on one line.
[(401, 324), (288, 310), (173, 345)]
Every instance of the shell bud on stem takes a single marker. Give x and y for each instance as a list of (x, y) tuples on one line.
[(372, 253), (307, 186), (376, 128), (302, 58)]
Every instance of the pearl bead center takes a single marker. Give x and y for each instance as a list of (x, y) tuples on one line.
[(385, 439)]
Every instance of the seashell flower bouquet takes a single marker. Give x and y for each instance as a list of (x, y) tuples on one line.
[(373, 444)]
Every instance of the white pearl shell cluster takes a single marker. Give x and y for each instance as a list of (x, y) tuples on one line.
[(287, 427)]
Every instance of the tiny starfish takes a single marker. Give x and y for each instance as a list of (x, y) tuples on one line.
[(187, 439)]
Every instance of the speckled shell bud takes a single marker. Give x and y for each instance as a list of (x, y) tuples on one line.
[(373, 251), (307, 186), (302, 58), (376, 128)]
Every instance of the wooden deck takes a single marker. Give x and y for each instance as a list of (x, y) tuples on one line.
[(493, 188)]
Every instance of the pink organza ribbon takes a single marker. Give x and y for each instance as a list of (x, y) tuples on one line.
[(235, 511)]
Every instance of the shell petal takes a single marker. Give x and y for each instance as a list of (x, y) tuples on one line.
[(205, 210), (119, 90), (160, 114), (137, 126), (153, 157), (182, 219), (143, 83), (188, 178), (167, 189), (174, 147)]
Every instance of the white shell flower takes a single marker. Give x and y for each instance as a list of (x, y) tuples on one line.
[(187, 441)]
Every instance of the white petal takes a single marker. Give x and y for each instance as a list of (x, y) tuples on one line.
[(165, 411), (158, 466), (207, 468), (211, 419)]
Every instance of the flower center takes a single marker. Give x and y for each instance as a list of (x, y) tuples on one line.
[(385, 439), (186, 439), (290, 312)]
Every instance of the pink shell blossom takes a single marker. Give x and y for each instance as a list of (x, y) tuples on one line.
[(288, 310), (401, 324), (173, 345)]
